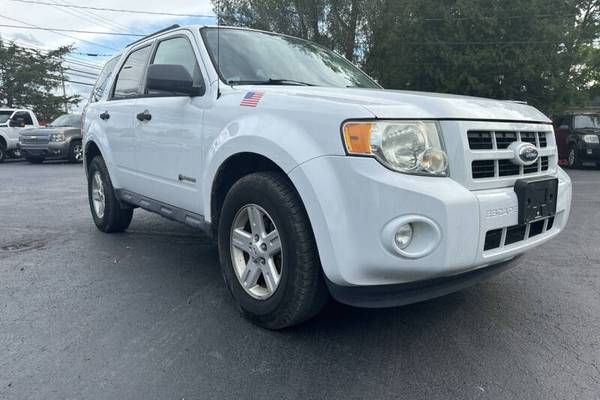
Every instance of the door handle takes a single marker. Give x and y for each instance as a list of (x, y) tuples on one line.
[(105, 115), (144, 116)]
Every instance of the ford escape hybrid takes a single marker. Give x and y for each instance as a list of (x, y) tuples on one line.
[(314, 180)]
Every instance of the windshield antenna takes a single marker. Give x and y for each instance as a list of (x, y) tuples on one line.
[(218, 49)]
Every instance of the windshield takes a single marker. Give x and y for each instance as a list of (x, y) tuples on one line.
[(66, 120), (251, 57), (5, 116), (587, 121)]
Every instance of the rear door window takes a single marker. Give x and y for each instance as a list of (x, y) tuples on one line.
[(25, 116), (129, 80), (103, 79)]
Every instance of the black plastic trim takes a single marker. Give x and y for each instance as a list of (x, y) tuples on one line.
[(383, 296), (166, 210)]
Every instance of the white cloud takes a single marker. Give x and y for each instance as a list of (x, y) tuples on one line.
[(93, 20)]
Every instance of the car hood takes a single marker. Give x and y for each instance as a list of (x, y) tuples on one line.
[(588, 131), (417, 105)]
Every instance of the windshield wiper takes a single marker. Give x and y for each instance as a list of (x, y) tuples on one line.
[(272, 82)]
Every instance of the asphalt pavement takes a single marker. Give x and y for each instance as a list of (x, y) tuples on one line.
[(145, 315)]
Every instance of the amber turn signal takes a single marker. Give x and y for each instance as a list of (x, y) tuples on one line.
[(357, 137)]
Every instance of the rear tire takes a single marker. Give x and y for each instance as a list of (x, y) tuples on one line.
[(76, 152), (109, 214), (573, 160), (35, 160), (300, 290)]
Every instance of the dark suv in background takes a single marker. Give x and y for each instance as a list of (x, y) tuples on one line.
[(578, 136), (60, 140)]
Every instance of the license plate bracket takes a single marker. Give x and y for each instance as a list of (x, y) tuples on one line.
[(536, 198)]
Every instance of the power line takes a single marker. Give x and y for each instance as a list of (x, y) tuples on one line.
[(79, 83), (70, 30), (70, 74), (80, 64), (115, 9), (114, 25), (58, 33), (79, 70)]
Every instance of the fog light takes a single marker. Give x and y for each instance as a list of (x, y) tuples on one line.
[(403, 236)]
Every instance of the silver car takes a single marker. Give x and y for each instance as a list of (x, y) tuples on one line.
[(60, 140)]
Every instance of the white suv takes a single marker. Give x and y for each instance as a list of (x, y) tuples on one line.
[(12, 122), (312, 178)]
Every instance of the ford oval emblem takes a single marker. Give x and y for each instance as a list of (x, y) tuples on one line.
[(525, 153)]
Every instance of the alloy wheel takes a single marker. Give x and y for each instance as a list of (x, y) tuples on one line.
[(98, 198), (78, 152), (256, 251)]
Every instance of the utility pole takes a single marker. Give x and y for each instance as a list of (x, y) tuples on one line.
[(62, 76)]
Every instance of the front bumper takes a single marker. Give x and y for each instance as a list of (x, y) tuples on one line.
[(351, 202), (589, 151), (414, 292), (49, 150)]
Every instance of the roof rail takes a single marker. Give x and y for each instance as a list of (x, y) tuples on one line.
[(154, 34)]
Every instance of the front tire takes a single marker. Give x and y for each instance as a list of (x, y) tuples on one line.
[(76, 152), (2, 153), (268, 252), (574, 161), (109, 214)]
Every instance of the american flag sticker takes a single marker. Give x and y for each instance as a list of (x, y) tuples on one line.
[(251, 99)]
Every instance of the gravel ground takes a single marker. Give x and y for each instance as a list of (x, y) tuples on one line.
[(145, 315)]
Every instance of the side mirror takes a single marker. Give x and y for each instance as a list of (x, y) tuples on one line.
[(171, 78)]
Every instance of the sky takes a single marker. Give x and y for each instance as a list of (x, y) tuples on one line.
[(83, 67)]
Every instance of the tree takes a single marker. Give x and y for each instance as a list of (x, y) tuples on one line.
[(545, 52), (332, 23), (31, 79)]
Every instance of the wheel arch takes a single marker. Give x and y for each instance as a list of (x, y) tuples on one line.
[(91, 150), (232, 169)]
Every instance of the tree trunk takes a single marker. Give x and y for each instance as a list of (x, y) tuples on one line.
[(350, 42)]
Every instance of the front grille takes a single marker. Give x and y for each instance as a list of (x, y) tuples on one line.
[(497, 238), (507, 168), (483, 142), (504, 139), (483, 169), (26, 140), (480, 140)]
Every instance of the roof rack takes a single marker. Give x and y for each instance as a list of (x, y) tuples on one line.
[(154, 34)]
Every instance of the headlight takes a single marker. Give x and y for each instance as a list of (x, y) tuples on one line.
[(57, 137), (412, 147), (591, 139)]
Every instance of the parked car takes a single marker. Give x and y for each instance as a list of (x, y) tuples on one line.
[(59, 140), (313, 179), (578, 137), (12, 122)]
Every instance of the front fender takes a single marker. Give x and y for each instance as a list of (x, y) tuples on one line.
[(101, 143), (248, 136)]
